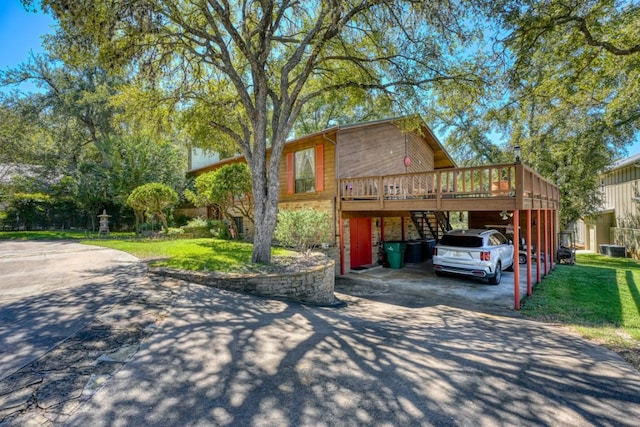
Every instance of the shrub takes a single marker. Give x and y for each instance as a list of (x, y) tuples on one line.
[(151, 200), (199, 222), (203, 227), (172, 231), (303, 230), (220, 229)]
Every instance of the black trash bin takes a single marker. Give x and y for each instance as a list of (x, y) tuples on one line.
[(427, 248), (413, 254)]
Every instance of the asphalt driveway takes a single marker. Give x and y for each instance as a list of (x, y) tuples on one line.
[(49, 290), (229, 359), (221, 358)]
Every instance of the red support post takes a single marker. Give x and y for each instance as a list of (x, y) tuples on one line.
[(547, 254), (529, 286), (551, 239), (554, 239), (341, 226), (516, 263), (538, 246)]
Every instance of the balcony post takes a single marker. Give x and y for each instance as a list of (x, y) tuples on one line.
[(438, 190), (519, 186), (516, 259)]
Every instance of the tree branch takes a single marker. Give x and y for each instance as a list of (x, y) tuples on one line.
[(604, 44)]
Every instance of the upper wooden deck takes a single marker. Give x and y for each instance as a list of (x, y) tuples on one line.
[(487, 188)]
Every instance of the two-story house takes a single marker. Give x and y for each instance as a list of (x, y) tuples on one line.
[(620, 192), (379, 182)]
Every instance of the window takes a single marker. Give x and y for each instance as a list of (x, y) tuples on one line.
[(305, 171), (497, 240), (239, 224), (461, 241)]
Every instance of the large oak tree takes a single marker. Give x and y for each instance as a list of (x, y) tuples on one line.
[(564, 88), (250, 66), (573, 83)]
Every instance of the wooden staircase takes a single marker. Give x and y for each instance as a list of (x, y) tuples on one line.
[(431, 224)]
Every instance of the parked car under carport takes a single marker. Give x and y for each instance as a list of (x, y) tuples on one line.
[(478, 253)]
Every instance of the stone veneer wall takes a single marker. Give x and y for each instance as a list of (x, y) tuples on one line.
[(314, 286)]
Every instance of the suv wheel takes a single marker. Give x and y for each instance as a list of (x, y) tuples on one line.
[(495, 280)]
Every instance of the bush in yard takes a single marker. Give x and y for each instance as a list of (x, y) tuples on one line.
[(152, 200), (303, 230), (220, 229), (199, 222), (228, 189)]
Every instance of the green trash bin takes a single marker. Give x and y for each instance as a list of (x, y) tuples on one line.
[(395, 253)]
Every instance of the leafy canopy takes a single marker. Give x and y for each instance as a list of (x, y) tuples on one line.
[(228, 188), (574, 82), (152, 199), (246, 69)]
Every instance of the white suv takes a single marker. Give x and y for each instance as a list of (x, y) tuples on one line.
[(478, 253)]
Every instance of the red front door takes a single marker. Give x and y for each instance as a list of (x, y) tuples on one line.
[(360, 240)]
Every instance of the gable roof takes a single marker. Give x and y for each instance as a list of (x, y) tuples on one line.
[(442, 160), (625, 162)]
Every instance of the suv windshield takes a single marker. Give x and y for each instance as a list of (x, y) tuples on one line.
[(461, 241)]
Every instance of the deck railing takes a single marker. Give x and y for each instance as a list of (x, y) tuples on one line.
[(509, 180)]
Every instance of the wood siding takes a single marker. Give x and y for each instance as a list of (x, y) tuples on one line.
[(618, 188), (371, 150), (420, 154)]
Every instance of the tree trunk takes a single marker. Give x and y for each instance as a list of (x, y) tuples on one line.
[(265, 185), (265, 215), (262, 242)]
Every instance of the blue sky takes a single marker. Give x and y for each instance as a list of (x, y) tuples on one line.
[(21, 32)]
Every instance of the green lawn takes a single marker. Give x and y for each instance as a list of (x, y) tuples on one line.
[(599, 297), (190, 254), (187, 254)]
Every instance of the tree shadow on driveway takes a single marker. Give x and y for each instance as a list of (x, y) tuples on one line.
[(223, 358)]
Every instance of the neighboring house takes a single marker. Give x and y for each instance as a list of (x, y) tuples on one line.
[(620, 189), (199, 158), (379, 183)]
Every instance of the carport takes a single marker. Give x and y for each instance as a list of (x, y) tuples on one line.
[(417, 283), (509, 194)]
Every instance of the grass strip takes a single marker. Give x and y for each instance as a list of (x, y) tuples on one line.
[(599, 298)]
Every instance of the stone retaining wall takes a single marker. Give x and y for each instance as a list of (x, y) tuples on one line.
[(313, 286)]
